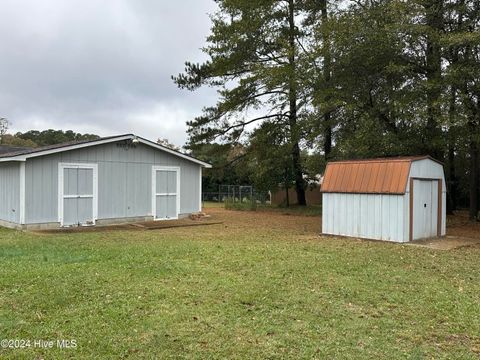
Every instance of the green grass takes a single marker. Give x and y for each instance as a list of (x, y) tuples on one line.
[(224, 292), (240, 205), (310, 210), (213, 204)]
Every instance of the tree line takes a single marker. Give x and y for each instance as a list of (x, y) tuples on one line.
[(36, 138), (302, 82)]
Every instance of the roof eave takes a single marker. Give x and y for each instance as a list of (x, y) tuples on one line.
[(16, 158), (173, 152), (428, 157), (362, 192), (24, 157)]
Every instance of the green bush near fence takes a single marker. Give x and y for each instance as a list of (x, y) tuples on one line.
[(250, 205)]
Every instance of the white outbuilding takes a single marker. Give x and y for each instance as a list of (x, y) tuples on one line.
[(393, 199), (123, 178)]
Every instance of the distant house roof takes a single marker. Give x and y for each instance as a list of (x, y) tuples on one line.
[(369, 176), (26, 153), (6, 149)]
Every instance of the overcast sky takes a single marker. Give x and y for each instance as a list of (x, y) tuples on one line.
[(101, 66)]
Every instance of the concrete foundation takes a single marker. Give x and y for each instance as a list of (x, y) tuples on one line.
[(98, 222)]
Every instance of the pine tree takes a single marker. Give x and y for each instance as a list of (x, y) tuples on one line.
[(254, 53)]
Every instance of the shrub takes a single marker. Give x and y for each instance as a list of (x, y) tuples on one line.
[(250, 205)]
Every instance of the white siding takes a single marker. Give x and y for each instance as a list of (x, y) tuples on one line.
[(427, 169), (406, 216), (369, 216), (10, 192), (444, 213), (124, 181)]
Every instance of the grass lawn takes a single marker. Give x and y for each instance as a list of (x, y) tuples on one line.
[(311, 210), (260, 285)]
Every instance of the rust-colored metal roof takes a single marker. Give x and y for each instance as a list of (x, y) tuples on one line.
[(369, 176)]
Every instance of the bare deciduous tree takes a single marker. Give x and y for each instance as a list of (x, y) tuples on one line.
[(167, 144), (4, 123)]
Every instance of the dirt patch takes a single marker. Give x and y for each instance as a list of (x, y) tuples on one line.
[(460, 232), (258, 224), (140, 226), (267, 220), (459, 225)]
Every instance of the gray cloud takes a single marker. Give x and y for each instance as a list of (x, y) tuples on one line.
[(101, 66)]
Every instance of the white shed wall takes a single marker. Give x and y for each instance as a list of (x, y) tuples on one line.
[(10, 192), (370, 216), (380, 216)]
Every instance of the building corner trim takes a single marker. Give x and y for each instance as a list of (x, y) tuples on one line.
[(200, 190), (22, 193)]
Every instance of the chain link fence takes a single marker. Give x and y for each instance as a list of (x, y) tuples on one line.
[(237, 194)]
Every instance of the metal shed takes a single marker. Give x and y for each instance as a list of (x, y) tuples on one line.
[(114, 179), (393, 199)]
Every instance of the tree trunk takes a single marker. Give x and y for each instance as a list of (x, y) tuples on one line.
[(327, 126), (473, 126), (452, 192), (451, 175), (474, 181), (287, 187), (299, 182), (434, 19), (292, 95), (478, 187)]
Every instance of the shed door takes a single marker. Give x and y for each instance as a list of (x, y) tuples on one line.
[(166, 194), (78, 195), (425, 208)]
